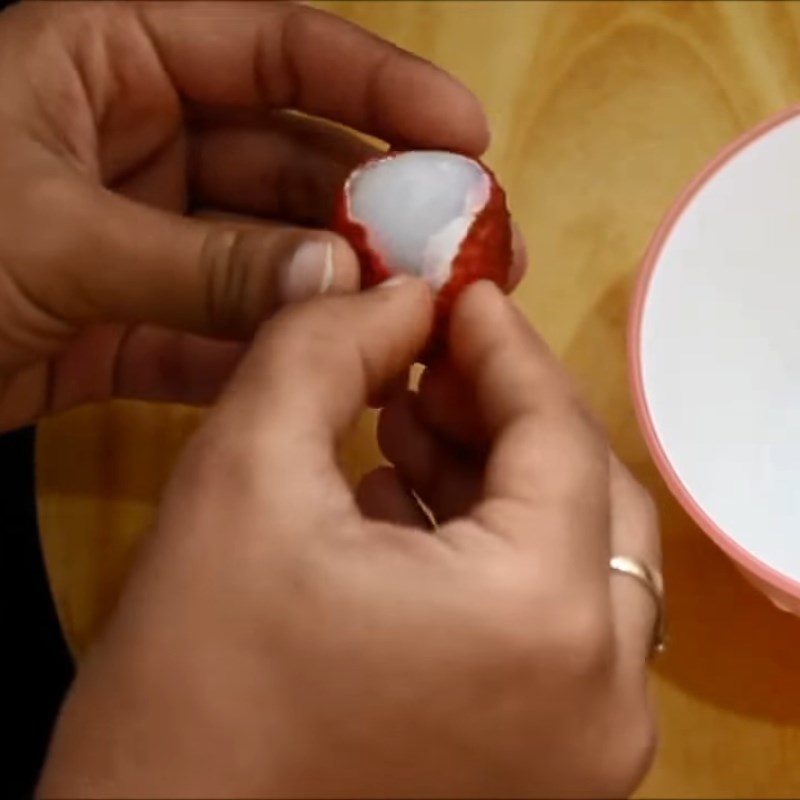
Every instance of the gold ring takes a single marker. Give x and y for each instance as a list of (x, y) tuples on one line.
[(652, 581)]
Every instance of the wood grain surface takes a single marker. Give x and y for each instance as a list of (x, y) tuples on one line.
[(600, 112)]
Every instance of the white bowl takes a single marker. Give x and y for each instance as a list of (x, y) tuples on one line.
[(714, 350)]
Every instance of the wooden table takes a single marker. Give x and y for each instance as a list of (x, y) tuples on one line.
[(601, 112)]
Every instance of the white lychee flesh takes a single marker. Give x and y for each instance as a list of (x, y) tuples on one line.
[(417, 207)]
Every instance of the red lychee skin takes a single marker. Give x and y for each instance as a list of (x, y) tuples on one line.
[(485, 252)]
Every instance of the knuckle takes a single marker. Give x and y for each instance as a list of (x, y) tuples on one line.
[(630, 753), (532, 619), (578, 431), (645, 747), (579, 477), (586, 426), (567, 412), (509, 602), (591, 423), (582, 639), (236, 269)]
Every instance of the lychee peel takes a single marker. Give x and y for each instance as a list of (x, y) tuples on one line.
[(431, 213)]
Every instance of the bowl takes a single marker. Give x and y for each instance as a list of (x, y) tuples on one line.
[(714, 353)]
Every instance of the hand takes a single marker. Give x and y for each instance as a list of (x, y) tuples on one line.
[(274, 640), (118, 119)]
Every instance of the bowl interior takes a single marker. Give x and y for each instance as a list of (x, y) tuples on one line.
[(719, 347)]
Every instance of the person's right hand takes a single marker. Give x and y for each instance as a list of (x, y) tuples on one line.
[(281, 638)]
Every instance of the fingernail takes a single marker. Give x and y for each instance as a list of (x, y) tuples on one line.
[(327, 272), (309, 272), (394, 281)]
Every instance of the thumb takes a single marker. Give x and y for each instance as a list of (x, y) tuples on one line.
[(307, 376), (133, 263), (314, 367)]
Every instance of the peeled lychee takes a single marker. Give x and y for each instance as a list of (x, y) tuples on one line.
[(438, 215)]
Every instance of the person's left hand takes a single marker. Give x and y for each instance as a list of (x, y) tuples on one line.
[(120, 121)]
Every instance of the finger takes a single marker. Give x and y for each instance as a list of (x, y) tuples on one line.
[(160, 365), (280, 55), (394, 388), (448, 482), (289, 167), (381, 496), (448, 406), (548, 467), (634, 533), (306, 378), (207, 277), (138, 363), (236, 220), (332, 354), (141, 363)]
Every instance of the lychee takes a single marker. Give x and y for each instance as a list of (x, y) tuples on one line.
[(435, 214)]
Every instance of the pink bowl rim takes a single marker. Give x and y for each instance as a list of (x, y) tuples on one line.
[(733, 549)]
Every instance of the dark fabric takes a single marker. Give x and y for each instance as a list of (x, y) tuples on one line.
[(39, 668), (39, 665)]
